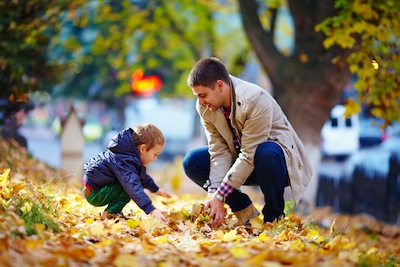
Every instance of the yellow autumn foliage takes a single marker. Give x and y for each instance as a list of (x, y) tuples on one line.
[(69, 231)]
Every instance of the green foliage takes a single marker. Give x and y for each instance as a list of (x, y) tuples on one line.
[(289, 206), (108, 40), (367, 260), (26, 27), (25, 30), (31, 211), (35, 212), (312, 225), (370, 30)]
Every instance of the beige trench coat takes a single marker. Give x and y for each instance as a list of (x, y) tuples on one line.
[(257, 118)]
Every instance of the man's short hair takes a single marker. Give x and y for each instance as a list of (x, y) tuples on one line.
[(206, 72)]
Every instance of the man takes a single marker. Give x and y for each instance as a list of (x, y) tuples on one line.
[(250, 142)]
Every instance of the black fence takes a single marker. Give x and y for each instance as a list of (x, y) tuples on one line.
[(365, 192)]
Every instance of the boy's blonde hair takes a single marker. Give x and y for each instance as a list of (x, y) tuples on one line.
[(149, 135)]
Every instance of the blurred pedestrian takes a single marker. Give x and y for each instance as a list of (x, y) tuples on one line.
[(116, 176), (250, 142)]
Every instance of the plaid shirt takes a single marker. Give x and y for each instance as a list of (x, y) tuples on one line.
[(224, 189)]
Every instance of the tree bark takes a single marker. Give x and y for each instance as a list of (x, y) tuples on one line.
[(307, 84)]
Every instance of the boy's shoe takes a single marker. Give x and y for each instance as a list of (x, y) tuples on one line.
[(107, 215), (245, 215)]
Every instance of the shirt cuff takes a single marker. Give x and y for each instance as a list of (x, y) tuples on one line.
[(212, 190), (225, 189)]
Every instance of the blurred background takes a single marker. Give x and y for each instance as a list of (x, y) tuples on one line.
[(332, 66)]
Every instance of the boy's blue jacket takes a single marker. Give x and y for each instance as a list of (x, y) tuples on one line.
[(121, 163)]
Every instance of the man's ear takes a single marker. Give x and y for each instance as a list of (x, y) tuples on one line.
[(219, 84)]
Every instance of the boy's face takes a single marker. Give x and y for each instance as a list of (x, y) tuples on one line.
[(147, 156)]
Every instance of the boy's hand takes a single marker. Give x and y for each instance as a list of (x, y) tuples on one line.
[(159, 215), (163, 193)]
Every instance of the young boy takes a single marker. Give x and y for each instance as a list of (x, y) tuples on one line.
[(116, 176)]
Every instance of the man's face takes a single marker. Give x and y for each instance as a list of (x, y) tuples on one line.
[(211, 98)]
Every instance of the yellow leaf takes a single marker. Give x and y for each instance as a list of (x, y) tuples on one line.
[(18, 187), (377, 112), (282, 236), (328, 42), (27, 207), (89, 221), (351, 107), (196, 210), (365, 10), (32, 243), (148, 224), (264, 237), (188, 245), (184, 214), (372, 250), (204, 218), (346, 41), (4, 177), (297, 244), (257, 223), (219, 234), (314, 235), (116, 226), (160, 240), (239, 252), (375, 64), (231, 236), (132, 223), (359, 27), (125, 260), (349, 245), (40, 229), (6, 193), (352, 256), (354, 68), (105, 243), (320, 239), (96, 229)]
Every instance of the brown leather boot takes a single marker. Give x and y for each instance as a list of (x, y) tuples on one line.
[(245, 215)]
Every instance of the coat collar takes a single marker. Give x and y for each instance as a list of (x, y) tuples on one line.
[(233, 104)]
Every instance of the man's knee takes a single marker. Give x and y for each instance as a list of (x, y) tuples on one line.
[(196, 160), (186, 162), (269, 152)]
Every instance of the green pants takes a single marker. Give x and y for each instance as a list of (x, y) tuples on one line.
[(113, 195)]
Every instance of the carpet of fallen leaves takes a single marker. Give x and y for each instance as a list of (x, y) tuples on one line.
[(45, 221)]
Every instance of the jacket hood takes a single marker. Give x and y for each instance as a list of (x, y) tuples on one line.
[(123, 143)]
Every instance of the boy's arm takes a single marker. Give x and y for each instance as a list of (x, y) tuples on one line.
[(130, 181), (149, 184)]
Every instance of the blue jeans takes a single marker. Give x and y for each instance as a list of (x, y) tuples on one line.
[(269, 173)]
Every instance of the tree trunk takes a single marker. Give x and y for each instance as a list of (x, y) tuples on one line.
[(306, 84)]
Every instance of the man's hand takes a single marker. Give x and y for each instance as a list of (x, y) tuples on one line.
[(217, 210)]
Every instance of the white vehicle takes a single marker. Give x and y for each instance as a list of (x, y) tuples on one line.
[(340, 134)]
